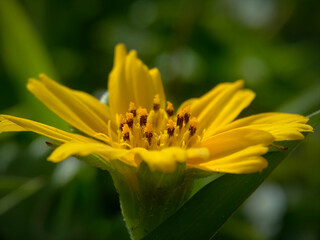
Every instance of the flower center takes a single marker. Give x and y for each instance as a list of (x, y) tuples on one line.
[(158, 128)]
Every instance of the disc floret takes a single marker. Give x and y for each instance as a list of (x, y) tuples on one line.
[(158, 128)]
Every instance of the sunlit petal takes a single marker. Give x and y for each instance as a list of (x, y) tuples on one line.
[(234, 141), (221, 105), (131, 81), (233, 107), (69, 105), (165, 160), (282, 126), (237, 164), (84, 149), (10, 123)]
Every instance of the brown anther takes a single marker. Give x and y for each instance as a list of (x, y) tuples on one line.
[(156, 102), (170, 109), (143, 116), (126, 132), (180, 120), (121, 121), (193, 126), (148, 132), (129, 117), (186, 114), (170, 128), (132, 109)]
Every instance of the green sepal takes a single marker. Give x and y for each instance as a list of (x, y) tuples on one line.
[(149, 197), (95, 161)]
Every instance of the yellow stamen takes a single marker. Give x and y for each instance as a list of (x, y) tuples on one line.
[(148, 132), (126, 132), (193, 126), (158, 128), (180, 117), (187, 113), (143, 116), (129, 117), (170, 127), (121, 121), (132, 109), (156, 102), (170, 109)]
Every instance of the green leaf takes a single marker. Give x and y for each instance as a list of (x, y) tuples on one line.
[(18, 194), (203, 215), (23, 52), (24, 55)]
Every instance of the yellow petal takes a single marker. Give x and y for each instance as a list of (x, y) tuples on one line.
[(197, 155), (217, 104), (232, 108), (84, 149), (100, 109), (120, 54), (221, 105), (165, 160), (131, 81), (138, 82), (157, 83), (118, 95), (10, 124), (235, 151), (234, 141), (89, 109), (236, 164), (72, 106), (282, 126), (198, 104)]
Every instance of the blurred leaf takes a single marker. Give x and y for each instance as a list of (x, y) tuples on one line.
[(22, 50), (305, 102), (8, 184), (203, 215), (24, 56), (314, 119), (20, 193)]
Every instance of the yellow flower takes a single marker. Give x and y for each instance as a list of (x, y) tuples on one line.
[(138, 125), (153, 154)]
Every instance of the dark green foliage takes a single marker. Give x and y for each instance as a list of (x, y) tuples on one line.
[(273, 45)]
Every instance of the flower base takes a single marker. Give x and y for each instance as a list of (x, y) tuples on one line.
[(149, 197)]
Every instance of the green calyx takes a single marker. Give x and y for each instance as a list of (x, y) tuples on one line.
[(149, 197)]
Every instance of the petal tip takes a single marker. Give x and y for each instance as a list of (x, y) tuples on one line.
[(54, 160), (240, 82), (120, 47), (42, 76)]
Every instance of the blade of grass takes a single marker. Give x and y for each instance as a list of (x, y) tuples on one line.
[(203, 215)]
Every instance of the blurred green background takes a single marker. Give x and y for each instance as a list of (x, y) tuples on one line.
[(273, 45)]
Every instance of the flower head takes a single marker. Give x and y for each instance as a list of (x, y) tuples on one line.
[(139, 129), (138, 119)]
